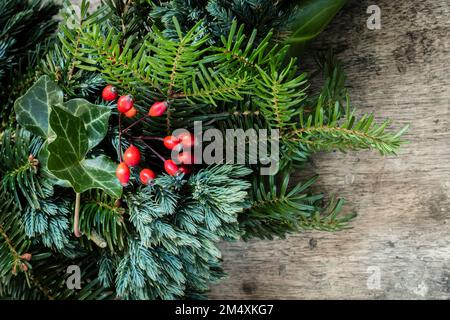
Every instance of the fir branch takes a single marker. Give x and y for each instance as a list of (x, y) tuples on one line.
[(278, 210), (217, 16), (175, 248), (102, 213), (173, 68), (26, 28), (322, 131), (19, 167), (280, 95), (64, 62), (13, 242)]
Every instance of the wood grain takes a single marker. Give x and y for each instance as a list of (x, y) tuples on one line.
[(402, 230), (403, 203)]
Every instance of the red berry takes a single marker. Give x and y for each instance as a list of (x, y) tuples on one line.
[(131, 113), (123, 173), (26, 256), (187, 139), (132, 156), (185, 169), (186, 158), (146, 176), (158, 108), (125, 103), (109, 93), (171, 142), (170, 167), (24, 267)]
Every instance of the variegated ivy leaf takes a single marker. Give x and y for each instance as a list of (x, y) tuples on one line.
[(33, 111), (67, 154), (95, 119), (33, 108)]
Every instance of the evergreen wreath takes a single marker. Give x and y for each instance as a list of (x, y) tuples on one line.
[(82, 165)]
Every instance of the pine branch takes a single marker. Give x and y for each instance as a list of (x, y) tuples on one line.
[(26, 28), (175, 69), (277, 210), (242, 52), (280, 95), (217, 16), (177, 225), (103, 214), (47, 279), (49, 224), (13, 242), (322, 131), (19, 167), (64, 62)]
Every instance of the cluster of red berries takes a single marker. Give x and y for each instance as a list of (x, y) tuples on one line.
[(132, 155), (185, 159), (125, 104), (131, 158)]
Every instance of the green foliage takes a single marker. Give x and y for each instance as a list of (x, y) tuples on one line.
[(279, 95), (34, 107), (175, 251), (44, 217), (70, 129), (216, 16), (102, 217), (94, 118), (297, 22), (278, 209), (61, 63), (322, 131), (67, 156), (168, 66), (13, 241), (312, 17), (47, 279), (49, 223), (19, 170), (160, 241), (25, 27)]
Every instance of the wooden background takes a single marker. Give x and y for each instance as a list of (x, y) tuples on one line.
[(402, 234)]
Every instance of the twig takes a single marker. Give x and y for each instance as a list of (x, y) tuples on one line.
[(120, 137), (135, 123), (76, 219), (147, 138), (154, 151)]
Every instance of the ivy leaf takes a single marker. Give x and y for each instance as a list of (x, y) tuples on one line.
[(33, 108), (67, 154), (94, 117), (312, 18), (33, 111)]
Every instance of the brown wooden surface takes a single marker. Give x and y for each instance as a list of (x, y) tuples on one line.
[(400, 72)]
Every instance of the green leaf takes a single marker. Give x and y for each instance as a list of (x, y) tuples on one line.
[(67, 156), (94, 117), (312, 18), (33, 108)]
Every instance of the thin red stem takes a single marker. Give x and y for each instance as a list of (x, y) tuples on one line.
[(120, 137), (147, 138), (154, 151), (135, 123)]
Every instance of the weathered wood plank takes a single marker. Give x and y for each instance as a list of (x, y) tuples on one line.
[(402, 72)]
